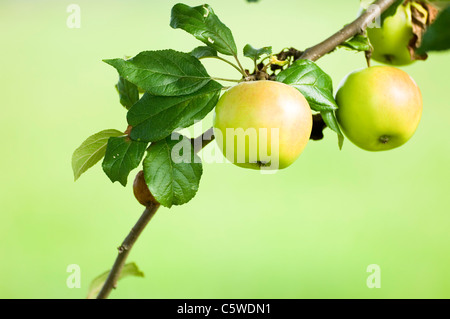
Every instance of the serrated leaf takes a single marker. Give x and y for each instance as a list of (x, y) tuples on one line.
[(155, 117), (358, 43), (330, 120), (128, 92), (315, 85), (254, 53), (170, 180), (121, 157), (130, 269), (437, 36), (165, 73), (91, 151), (203, 23), (203, 52)]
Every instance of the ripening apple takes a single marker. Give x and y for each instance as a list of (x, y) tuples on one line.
[(262, 124), (379, 107), (390, 42)]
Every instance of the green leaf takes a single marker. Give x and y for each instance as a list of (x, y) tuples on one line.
[(315, 85), (203, 52), (130, 269), (155, 117), (358, 43), (440, 4), (128, 92), (437, 36), (172, 170), (330, 120), (122, 156), (254, 53), (203, 23), (91, 151), (165, 73)]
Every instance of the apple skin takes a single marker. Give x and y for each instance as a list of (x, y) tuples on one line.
[(390, 42), (379, 107), (264, 104)]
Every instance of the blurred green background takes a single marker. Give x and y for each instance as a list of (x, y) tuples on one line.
[(306, 232)]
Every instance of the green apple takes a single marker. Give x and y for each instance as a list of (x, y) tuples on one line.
[(262, 124), (390, 42), (379, 107)]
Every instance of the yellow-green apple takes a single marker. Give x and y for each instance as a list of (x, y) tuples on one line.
[(390, 41), (262, 124), (379, 107)]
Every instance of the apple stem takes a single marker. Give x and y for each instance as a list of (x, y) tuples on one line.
[(368, 55), (228, 80), (240, 66), (226, 61)]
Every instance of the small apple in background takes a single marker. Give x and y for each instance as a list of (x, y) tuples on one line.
[(276, 118), (390, 42), (379, 107), (141, 191)]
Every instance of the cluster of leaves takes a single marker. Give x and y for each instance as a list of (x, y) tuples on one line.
[(177, 91)]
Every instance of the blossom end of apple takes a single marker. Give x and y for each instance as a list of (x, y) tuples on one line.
[(384, 139)]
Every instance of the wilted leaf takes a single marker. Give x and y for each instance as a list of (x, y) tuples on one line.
[(437, 36), (422, 16)]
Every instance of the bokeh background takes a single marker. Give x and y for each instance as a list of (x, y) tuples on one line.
[(307, 232)]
